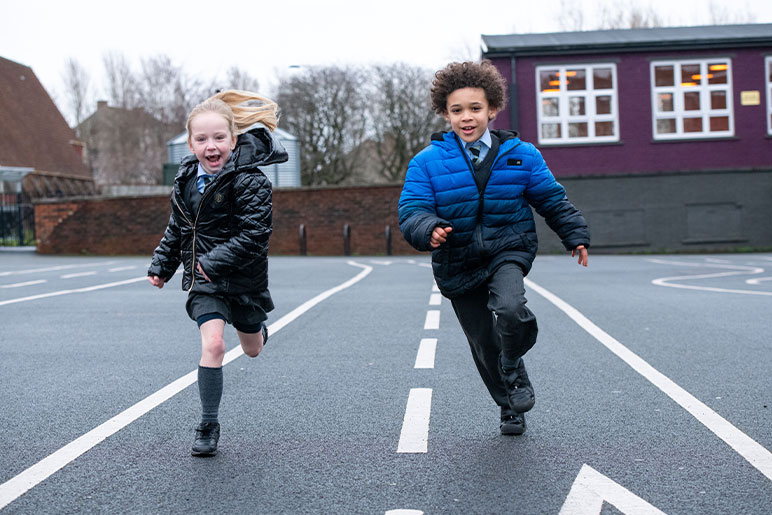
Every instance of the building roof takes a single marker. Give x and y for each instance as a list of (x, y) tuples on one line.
[(628, 40), (33, 131)]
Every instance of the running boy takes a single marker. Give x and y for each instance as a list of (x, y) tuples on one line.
[(219, 229), (467, 197)]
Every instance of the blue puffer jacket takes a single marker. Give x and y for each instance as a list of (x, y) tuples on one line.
[(492, 221)]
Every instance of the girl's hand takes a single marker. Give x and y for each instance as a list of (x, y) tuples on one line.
[(439, 236), (201, 271), (156, 281), (583, 254)]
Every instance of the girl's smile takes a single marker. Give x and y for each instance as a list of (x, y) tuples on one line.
[(211, 140)]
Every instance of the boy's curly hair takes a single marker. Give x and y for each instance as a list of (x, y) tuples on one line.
[(468, 75)]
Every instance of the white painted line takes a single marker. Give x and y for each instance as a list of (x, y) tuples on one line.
[(426, 351), (432, 319), (55, 268), (591, 488), (67, 292), (435, 299), (758, 280), (434, 287), (19, 285), (740, 270), (122, 268), (404, 512), (78, 274), (425, 265), (379, 262), (744, 445), (414, 437), (29, 478)]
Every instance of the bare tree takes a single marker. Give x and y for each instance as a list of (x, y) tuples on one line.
[(570, 16), (236, 78), (121, 80), (627, 16), (401, 116), (76, 84), (324, 108)]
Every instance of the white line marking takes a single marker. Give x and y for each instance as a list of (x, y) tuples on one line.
[(591, 488), (78, 274), (432, 319), (435, 299), (67, 292), (404, 512), (379, 262), (758, 280), (29, 478), (434, 287), (414, 437), (121, 268), (740, 270), (748, 448), (55, 268), (18, 285), (426, 350)]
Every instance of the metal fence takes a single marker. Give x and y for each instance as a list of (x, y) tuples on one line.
[(17, 222)]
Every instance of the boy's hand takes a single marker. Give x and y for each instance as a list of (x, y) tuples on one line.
[(439, 236), (583, 254), (156, 281), (201, 271)]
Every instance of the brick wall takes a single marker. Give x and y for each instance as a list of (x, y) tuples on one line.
[(135, 225)]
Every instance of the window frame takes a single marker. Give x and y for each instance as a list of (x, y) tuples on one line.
[(590, 95), (679, 113), (768, 91)]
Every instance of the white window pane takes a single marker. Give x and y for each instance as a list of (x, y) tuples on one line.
[(667, 126), (550, 130), (718, 99), (550, 107), (603, 104), (602, 78), (576, 80), (719, 123), (693, 124), (577, 130), (692, 101), (604, 128), (576, 106), (549, 81), (665, 102), (663, 76), (717, 73)]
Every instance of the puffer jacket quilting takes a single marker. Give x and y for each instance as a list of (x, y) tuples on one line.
[(491, 226), (229, 234)]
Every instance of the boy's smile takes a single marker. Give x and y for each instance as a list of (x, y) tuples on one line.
[(469, 113), (211, 140)]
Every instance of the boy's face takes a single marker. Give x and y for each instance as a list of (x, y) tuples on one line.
[(211, 140), (468, 112)]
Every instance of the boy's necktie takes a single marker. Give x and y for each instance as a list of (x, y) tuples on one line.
[(474, 149)]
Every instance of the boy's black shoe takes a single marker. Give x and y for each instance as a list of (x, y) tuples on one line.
[(519, 389), (207, 436), (512, 423)]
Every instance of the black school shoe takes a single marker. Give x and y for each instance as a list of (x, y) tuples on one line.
[(512, 423), (519, 389), (207, 436)]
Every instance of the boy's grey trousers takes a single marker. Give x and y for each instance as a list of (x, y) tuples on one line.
[(497, 323)]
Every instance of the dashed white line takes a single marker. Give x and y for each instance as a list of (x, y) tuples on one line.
[(78, 274), (426, 351), (744, 445), (121, 268), (414, 437), (432, 319), (29, 478), (435, 299), (67, 292), (54, 268), (434, 287), (19, 285)]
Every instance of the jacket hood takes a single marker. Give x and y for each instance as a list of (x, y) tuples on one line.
[(502, 134)]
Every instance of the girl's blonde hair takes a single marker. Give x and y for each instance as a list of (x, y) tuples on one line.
[(239, 110)]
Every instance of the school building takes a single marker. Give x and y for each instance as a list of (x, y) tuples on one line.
[(663, 136)]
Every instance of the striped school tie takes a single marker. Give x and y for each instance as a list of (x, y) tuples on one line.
[(474, 149)]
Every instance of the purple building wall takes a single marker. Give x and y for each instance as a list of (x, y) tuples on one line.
[(637, 152)]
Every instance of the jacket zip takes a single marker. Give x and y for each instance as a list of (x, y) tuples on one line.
[(193, 225)]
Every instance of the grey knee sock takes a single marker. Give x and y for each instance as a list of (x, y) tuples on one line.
[(210, 390)]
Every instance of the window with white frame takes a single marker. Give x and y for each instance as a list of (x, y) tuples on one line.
[(577, 103), (769, 94), (692, 99)]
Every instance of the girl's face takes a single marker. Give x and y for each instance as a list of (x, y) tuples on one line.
[(211, 140)]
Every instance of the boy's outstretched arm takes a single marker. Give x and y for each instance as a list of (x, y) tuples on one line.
[(583, 254)]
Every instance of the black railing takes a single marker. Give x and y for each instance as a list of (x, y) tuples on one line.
[(17, 224)]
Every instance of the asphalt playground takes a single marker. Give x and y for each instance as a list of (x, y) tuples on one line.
[(651, 372)]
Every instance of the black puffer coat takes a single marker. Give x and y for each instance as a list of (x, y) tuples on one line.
[(229, 234)]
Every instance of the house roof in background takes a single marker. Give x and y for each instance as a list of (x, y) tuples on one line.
[(628, 40), (33, 131)]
